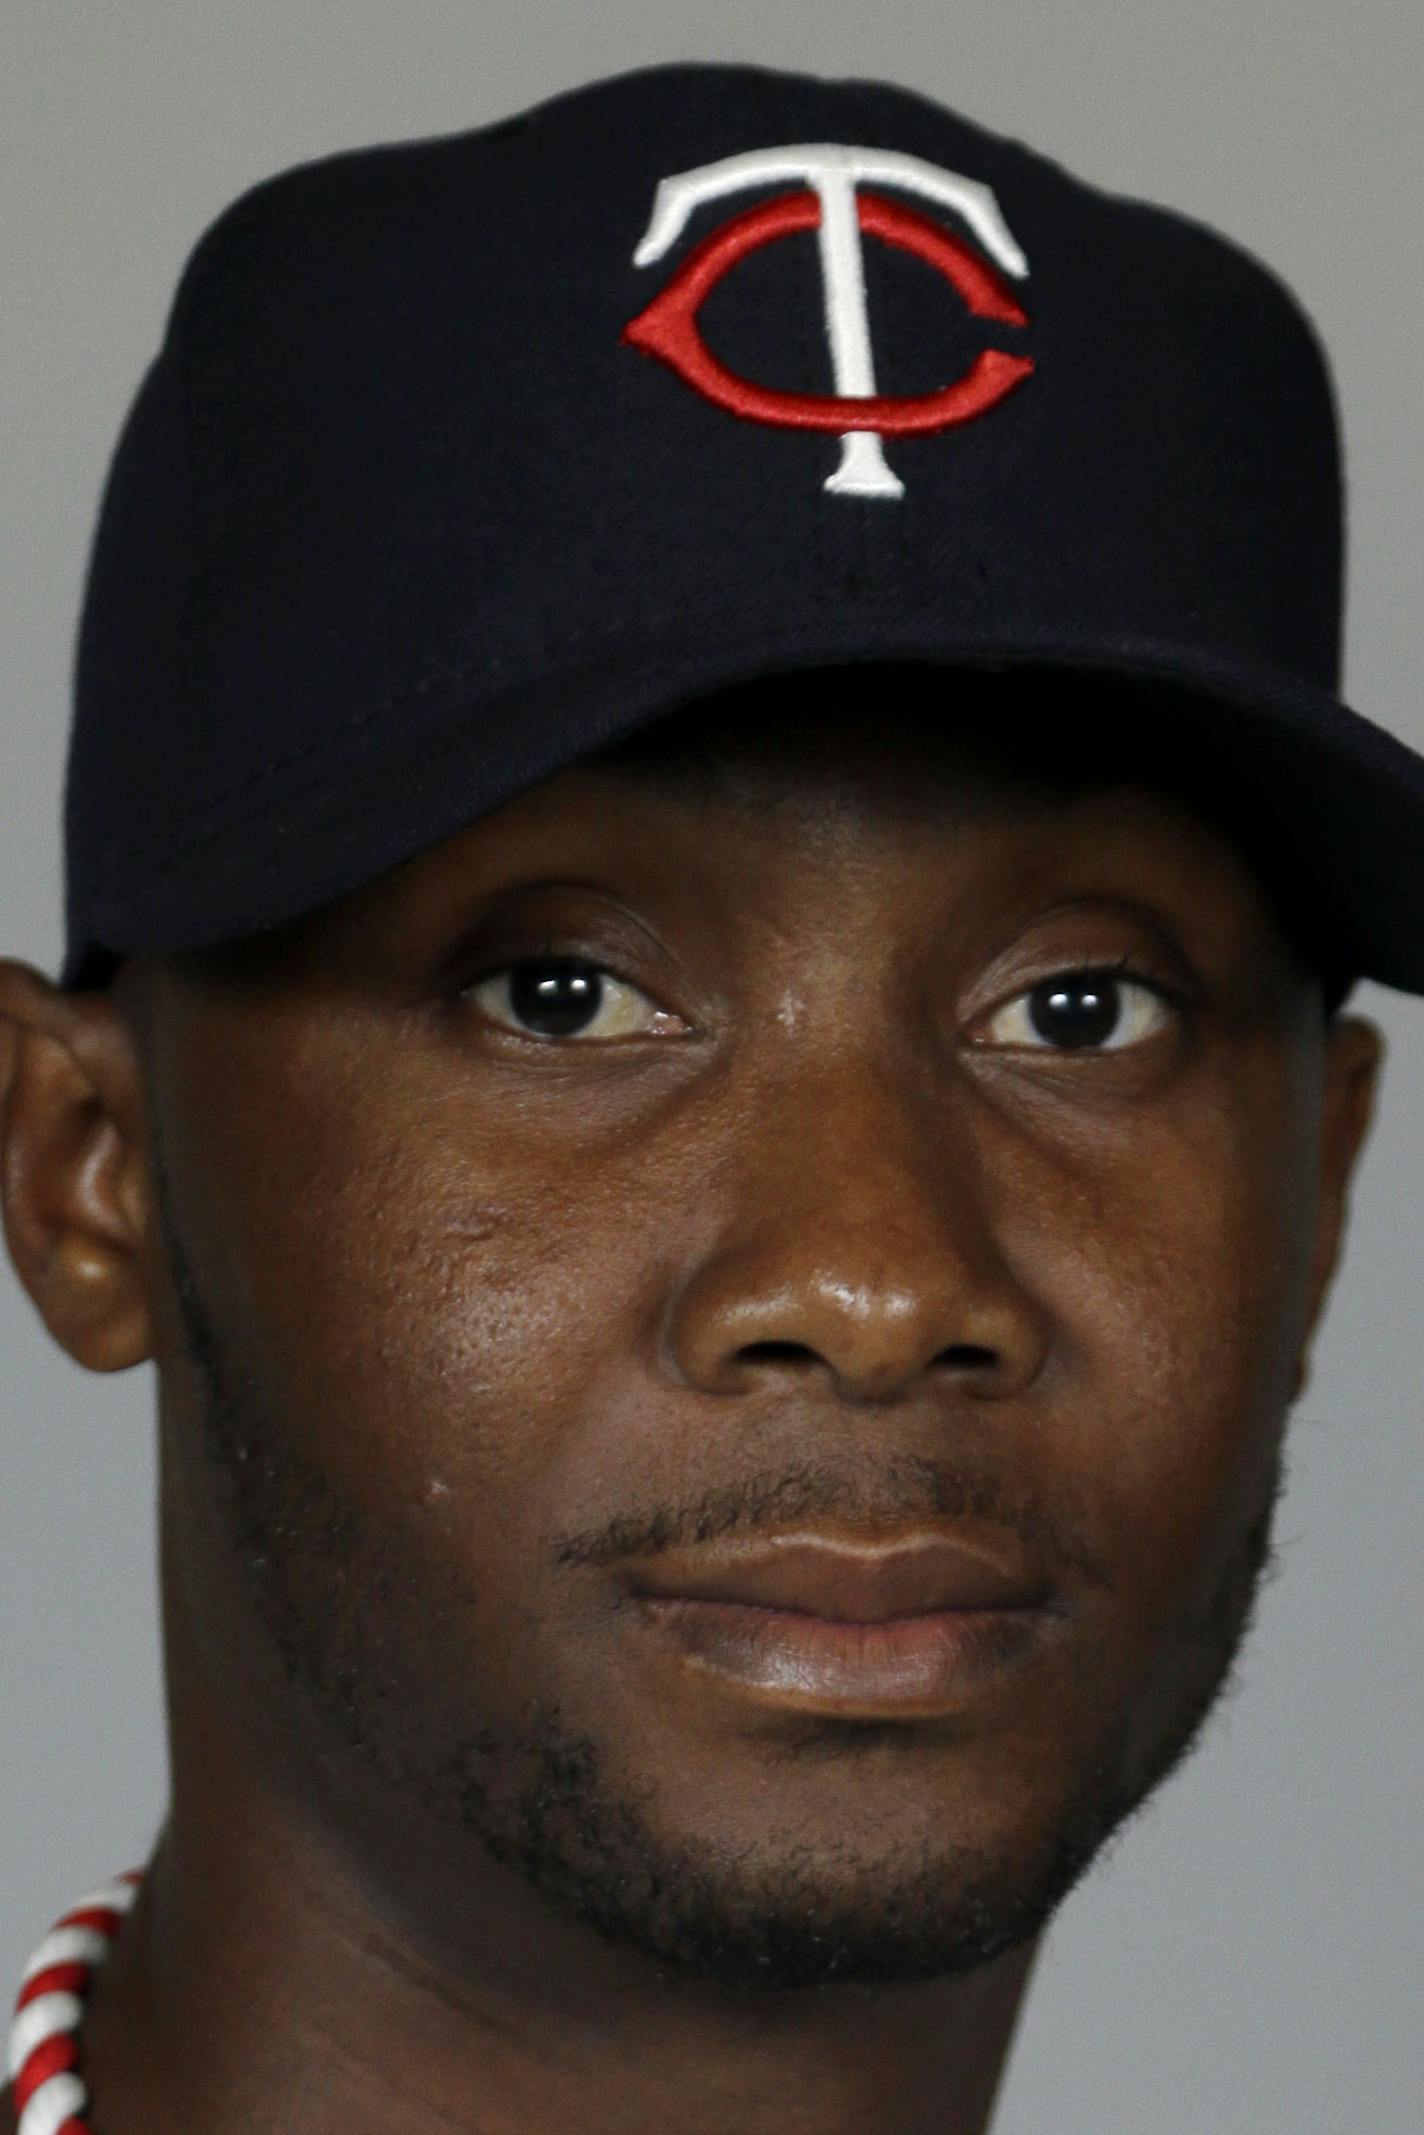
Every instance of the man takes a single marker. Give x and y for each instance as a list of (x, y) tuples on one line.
[(703, 1032)]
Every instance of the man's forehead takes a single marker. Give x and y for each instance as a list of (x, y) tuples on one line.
[(763, 796), (1049, 782), (879, 746)]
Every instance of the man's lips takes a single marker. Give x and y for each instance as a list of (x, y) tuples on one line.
[(848, 1582), (855, 1629)]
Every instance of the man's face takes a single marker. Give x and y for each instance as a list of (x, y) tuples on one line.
[(657, 1178)]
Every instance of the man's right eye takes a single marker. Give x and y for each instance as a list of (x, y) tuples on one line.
[(546, 998)]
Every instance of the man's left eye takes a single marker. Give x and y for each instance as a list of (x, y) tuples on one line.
[(1083, 1011)]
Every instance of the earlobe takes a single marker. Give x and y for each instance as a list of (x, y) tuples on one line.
[(72, 1167)]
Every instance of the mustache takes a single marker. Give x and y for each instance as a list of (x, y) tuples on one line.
[(882, 1492)]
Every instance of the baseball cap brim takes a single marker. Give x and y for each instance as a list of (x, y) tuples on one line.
[(1340, 798)]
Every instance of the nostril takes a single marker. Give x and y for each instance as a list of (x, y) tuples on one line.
[(968, 1355), (776, 1352)]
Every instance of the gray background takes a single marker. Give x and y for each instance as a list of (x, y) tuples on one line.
[(1250, 1959)]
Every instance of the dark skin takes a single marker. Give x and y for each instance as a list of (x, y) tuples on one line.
[(812, 1228)]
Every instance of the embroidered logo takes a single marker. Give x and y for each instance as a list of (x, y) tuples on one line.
[(832, 203)]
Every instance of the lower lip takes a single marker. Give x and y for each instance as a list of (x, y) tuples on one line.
[(908, 1667)]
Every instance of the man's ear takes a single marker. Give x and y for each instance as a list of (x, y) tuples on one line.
[(73, 1165), (1354, 1056)]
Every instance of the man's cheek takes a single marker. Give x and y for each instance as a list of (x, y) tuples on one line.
[(385, 1293), (1167, 1444), (1176, 1519)]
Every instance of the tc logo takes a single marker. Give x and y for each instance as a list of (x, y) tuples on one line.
[(835, 208)]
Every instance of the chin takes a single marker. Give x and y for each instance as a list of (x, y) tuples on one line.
[(753, 1906)]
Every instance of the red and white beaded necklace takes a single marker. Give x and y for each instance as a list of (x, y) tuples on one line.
[(50, 2095)]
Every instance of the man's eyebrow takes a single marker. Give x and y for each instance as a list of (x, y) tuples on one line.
[(676, 763), (1050, 735), (962, 786)]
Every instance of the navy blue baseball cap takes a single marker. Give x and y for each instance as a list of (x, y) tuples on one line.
[(464, 457)]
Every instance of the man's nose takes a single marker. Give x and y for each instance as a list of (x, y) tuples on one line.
[(857, 1236)]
